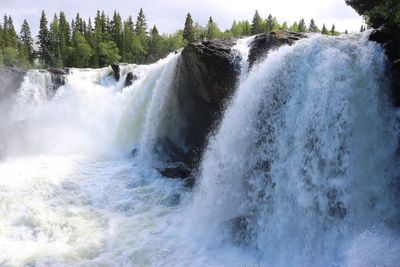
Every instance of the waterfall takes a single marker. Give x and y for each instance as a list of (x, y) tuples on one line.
[(303, 169)]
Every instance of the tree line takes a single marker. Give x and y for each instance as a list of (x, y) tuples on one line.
[(86, 43)]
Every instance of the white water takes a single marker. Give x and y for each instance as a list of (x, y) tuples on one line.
[(303, 169), (70, 195)]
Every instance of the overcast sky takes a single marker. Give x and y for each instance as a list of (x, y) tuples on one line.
[(169, 15)]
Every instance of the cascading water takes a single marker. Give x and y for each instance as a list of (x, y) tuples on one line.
[(69, 192), (303, 169)]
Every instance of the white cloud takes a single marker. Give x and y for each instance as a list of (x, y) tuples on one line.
[(170, 15)]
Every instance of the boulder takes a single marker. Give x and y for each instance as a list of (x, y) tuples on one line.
[(130, 78), (58, 77), (179, 170), (263, 43), (116, 70), (206, 78), (210, 67)]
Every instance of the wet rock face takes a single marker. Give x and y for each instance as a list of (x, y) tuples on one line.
[(58, 77), (206, 77), (264, 43), (116, 70), (389, 38), (130, 78), (210, 67)]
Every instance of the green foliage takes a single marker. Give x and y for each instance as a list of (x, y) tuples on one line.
[(26, 43), (378, 12), (313, 27), (10, 56), (141, 24), (302, 26), (257, 24), (294, 27), (212, 30), (108, 53), (44, 41), (271, 24), (103, 41), (324, 30), (188, 30), (80, 52)]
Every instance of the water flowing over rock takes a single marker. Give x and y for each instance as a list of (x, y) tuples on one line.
[(293, 162), (206, 78), (297, 170), (262, 44)]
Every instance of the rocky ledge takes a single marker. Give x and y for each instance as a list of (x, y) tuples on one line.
[(262, 44), (389, 38)]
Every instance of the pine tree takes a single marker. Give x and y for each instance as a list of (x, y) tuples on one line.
[(44, 40), (1, 42), (212, 30), (302, 26), (80, 52), (333, 30), (188, 31), (141, 24), (9, 36), (116, 30), (294, 27), (324, 30), (64, 36), (54, 38), (27, 42), (284, 26), (155, 45), (313, 27), (257, 24), (270, 23), (77, 25)]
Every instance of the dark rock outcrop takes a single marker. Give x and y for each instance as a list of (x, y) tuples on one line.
[(58, 77), (206, 78), (389, 38), (130, 78), (116, 70), (263, 43)]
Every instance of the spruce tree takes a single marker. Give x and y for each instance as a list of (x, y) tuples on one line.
[(333, 30), (284, 26), (141, 24), (27, 42), (44, 40), (270, 23), (155, 45), (313, 27), (116, 30), (212, 30), (55, 43), (12, 33), (257, 24), (64, 36), (302, 26), (188, 31), (1, 38), (324, 30)]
